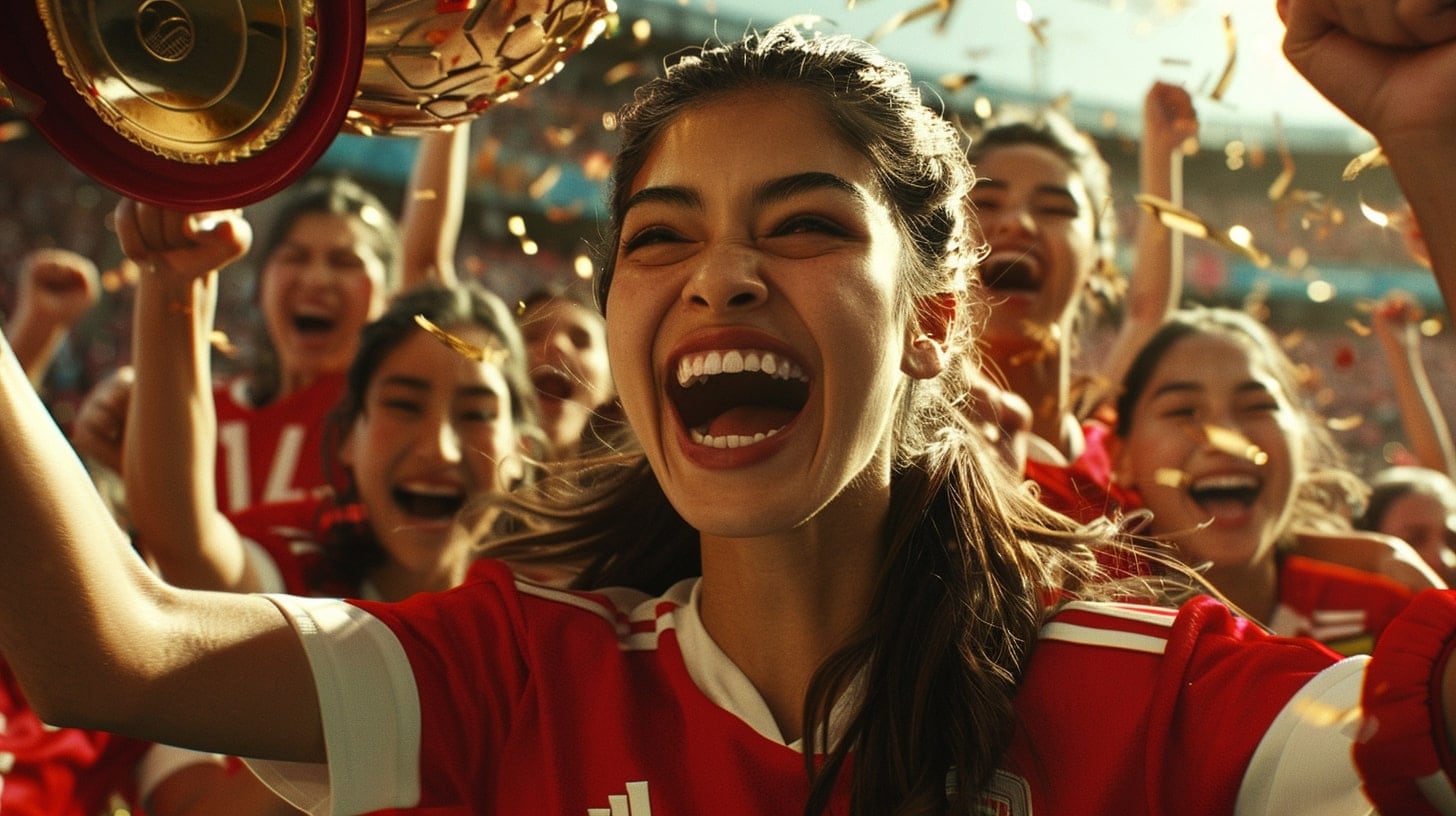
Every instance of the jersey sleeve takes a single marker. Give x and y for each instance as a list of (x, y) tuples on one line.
[(412, 695), (1405, 751)]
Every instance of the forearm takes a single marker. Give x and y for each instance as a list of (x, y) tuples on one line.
[(172, 439), (98, 642), (35, 342), (1155, 284), (434, 208), (1420, 412)]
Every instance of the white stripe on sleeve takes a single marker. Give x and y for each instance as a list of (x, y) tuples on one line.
[(1305, 764), (370, 708)]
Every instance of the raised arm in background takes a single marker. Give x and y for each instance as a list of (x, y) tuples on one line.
[(171, 426), (434, 208), (1396, 323), (1155, 284), (57, 288)]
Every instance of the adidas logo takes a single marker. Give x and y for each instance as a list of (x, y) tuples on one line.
[(632, 803)]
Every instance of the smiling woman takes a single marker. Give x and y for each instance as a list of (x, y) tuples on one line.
[(1217, 441), (883, 620)]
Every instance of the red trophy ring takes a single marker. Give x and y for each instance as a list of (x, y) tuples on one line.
[(196, 104)]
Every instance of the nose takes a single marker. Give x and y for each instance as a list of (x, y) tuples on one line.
[(441, 441), (727, 279), (1011, 218)]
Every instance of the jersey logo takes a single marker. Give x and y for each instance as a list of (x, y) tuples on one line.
[(1006, 795), (632, 803)]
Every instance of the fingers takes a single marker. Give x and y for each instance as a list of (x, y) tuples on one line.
[(100, 427)]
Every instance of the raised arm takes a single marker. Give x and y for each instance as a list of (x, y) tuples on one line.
[(434, 207), (1391, 66), (1156, 283), (57, 288), (98, 642), (172, 497), (1394, 323)]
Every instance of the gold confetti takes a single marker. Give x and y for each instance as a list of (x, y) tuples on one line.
[(10, 131), (1231, 41), (955, 82), (1345, 423), (544, 182), (1037, 26), (1235, 444), (492, 354), (941, 7), (620, 72), (224, 346), (1170, 477), (1280, 187), (1237, 239), (641, 31), (1375, 157)]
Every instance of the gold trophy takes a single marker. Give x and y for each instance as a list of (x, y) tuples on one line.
[(199, 104)]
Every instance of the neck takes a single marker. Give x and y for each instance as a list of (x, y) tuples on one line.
[(778, 606), (1042, 378), (1253, 586), (395, 581)]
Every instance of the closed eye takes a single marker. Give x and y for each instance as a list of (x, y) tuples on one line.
[(648, 237), (401, 405), (808, 223)]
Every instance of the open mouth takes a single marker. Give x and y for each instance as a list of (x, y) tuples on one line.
[(551, 382), (429, 503), (1225, 495), (312, 324), (1011, 273), (736, 398)]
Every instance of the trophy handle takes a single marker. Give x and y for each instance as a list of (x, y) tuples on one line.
[(37, 86)]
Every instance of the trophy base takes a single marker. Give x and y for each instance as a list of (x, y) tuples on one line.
[(40, 88)]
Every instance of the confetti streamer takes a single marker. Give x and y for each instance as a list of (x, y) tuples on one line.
[(1170, 477), (492, 354), (1190, 223), (1375, 157), (1280, 187), (942, 7), (1231, 41), (224, 346), (1345, 423), (1235, 444)]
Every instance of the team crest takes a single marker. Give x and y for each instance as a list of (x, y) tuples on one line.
[(1005, 795)]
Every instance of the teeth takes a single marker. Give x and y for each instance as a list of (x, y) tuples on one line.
[(729, 441), (1230, 481), (696, 368), (430, 489)]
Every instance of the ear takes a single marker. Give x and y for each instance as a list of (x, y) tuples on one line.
[(927, 338)]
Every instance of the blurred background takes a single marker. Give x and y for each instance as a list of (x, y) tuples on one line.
[(1269, 163)]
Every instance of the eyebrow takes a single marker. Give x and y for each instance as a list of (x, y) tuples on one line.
[(1052, 189), (1185, 386), (421, 384), (766, 193)]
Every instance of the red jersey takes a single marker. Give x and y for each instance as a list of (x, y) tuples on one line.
[(510, 698), (273, 453), (1341, 607), (1083, 490), (47, 771), (285, 544)]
